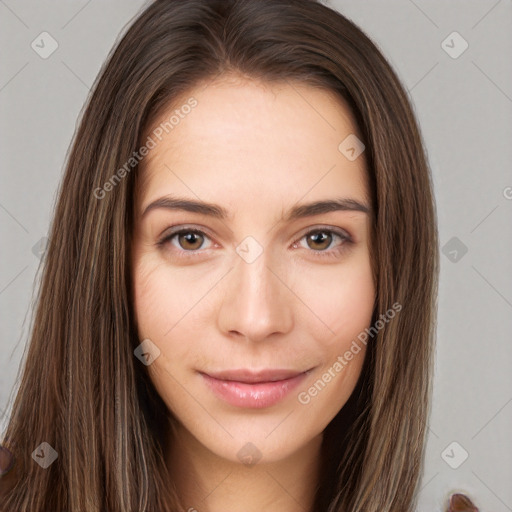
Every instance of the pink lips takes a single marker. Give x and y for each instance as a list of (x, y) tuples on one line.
[(255, 390)]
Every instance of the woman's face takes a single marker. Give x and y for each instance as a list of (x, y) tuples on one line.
[(238, 280)]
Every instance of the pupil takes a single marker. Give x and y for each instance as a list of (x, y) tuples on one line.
[(317, 237), (190, 238)]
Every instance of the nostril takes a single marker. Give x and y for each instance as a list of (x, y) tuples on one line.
[(461, 503)]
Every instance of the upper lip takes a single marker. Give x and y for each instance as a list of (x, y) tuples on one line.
[(252, 376)]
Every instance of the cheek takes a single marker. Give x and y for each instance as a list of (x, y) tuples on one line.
[(161, 316), (344, 301), (170, 311), (150, 301), (340, 298), (165, 299)]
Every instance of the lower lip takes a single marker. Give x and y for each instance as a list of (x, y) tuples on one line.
[(253, 396)]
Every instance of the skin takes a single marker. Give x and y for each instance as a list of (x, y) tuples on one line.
[(256, 149)]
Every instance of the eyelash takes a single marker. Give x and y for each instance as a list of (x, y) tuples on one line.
[(346, 239)]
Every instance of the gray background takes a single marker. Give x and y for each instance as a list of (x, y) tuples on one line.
[(464, 106)]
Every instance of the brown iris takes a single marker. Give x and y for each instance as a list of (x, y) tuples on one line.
[(320, 237), (191, 238)]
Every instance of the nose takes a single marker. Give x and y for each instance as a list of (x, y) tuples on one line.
[(257, 301)]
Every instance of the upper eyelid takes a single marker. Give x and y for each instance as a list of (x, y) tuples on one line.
[(334, 229)]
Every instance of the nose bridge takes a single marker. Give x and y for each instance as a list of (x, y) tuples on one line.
[(257, 303)]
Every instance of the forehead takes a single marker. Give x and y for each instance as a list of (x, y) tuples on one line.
[(246, 139)]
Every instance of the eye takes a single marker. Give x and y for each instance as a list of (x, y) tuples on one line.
[(321, 239), (185, 240)]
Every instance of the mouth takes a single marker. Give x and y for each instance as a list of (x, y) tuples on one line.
[(255, 377), (253, 389)]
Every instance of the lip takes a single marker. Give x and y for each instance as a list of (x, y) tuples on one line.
[(253, 390)]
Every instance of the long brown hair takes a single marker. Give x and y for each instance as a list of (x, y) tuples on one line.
[(82, 390)]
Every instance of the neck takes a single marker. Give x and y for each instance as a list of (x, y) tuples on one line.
[(206, 482)]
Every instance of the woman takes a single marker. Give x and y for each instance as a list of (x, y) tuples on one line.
[(256, 369)]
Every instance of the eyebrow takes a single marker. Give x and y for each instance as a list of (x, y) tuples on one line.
[(296, 212)]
